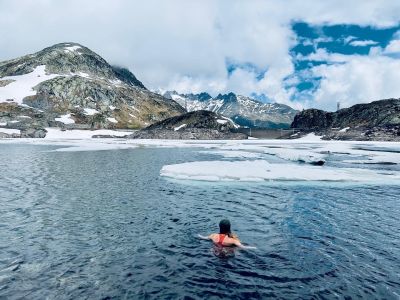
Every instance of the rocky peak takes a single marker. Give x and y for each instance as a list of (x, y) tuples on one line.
[(202, 97), (69, 59), (231, 97), (376, 113), (73, 87), (378, 120)]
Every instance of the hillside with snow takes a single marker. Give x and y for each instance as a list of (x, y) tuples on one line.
[(68, 85), (245, 111)]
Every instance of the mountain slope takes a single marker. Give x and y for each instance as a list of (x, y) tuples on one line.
[(378, 120), (243, 110), (199, 125), (69, 85)]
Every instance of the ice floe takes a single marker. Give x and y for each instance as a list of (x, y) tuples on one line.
[(261, 170), (269, 159), (233, 154)]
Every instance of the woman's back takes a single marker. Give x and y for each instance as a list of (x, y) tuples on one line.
[(224, 240)]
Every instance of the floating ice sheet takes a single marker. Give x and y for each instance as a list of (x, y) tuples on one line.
[(353, 153), (261, 170)]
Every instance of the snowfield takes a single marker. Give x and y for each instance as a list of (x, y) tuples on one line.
[(251, 160), (22, 85)]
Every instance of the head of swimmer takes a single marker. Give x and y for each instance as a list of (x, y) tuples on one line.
[(225, 228)]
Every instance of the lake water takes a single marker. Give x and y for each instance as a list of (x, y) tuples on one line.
[(106, 225)]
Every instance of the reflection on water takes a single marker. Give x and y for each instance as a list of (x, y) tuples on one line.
[(105, 225)]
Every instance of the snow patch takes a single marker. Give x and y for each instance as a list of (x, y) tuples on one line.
[(72, 49), (10, 131), (344, 129), (90, 111), (311, 137), (180, 127), (57, 133), (23, 85), (66, 119), (219, 121), (82, 74), (112, 120)]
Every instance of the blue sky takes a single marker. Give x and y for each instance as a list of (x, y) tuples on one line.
[(347, 40), (302, 53)]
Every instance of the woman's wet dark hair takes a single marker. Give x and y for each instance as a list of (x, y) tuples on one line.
[(225, 227)]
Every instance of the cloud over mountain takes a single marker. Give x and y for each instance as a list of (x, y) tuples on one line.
[(220, 46)]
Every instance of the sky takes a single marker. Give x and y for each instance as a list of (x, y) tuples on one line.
[(302, 53)]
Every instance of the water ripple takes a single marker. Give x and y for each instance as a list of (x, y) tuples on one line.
[(104, 225)]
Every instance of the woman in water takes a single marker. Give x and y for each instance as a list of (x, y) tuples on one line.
[(225, 237)]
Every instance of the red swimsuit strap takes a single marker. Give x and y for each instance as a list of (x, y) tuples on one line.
[(221, 239)]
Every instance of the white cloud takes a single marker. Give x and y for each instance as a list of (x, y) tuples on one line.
[(393, 47), (348, 39), (363, 43), (362, 79), (184, 44)]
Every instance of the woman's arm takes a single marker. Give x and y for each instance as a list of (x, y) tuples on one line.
[(240, 245), (204, 237)]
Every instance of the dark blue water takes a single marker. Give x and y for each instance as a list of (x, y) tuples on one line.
[(105, 225)]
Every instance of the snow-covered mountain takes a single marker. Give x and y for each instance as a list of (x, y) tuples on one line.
[(245, 111), (69, 85)]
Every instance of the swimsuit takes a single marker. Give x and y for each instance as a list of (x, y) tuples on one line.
[(223, 251), (221, 239)]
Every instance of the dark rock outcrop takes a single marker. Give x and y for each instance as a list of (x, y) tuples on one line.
[(199, 125), (378, 120)]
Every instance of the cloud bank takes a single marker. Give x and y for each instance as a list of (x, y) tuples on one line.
[(220, 46)]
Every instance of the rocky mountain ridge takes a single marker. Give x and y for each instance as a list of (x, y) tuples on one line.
[(198, 125), (68, 85), (245, 111), (378, 120)]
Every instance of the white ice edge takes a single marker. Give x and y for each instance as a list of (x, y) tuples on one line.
[(261, 170), (285, 149)]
